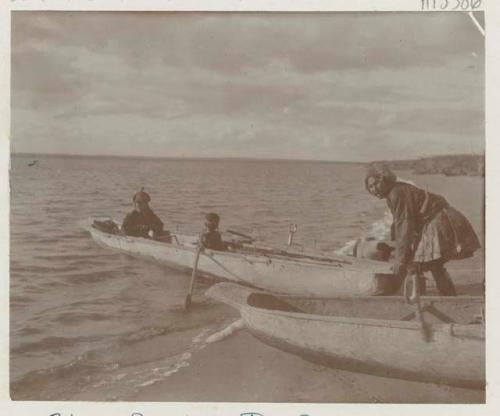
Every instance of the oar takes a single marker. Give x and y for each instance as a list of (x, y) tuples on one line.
[(241, 235), (414, 299), (187, 302)]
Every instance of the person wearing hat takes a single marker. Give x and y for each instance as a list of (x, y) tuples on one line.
[(211, 238), (142, 221), (427, 231)]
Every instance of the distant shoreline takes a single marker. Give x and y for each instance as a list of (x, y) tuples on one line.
[(449, 165)]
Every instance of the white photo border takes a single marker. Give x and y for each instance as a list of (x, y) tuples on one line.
[(492, 93)]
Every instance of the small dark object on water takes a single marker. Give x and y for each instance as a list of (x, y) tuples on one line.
[(33, 163)]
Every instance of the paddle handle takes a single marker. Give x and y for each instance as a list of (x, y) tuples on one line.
[(241, 235), (414, 299), (291, 231), (187, 302)]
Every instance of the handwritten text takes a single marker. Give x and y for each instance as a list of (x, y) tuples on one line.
[(464, 5)]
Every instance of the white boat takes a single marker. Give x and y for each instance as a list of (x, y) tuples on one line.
[(375, 335), (274, 270)]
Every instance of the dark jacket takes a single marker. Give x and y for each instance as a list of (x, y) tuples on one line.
[(138, 224), (213, 240), (411, 209)]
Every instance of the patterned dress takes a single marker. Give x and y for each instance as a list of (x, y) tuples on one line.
[(426, 228)]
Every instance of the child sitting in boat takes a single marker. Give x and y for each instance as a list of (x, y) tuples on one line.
[(142, 221), (211, 238)]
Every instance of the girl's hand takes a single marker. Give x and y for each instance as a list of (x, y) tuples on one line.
[(399, 269)]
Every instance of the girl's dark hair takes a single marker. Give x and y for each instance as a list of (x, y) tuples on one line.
[(380, 171), (212, 217)]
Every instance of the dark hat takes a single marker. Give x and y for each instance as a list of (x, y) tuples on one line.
[(141, 196), (212, 217)]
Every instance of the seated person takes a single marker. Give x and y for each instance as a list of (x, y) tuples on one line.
[(142, 220), (211, 238)]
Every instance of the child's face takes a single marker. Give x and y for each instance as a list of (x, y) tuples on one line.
[(141, 206), (211, 225)]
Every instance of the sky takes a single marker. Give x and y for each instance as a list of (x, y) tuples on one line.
[(319, 86)]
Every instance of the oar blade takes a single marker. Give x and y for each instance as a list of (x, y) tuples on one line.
[(187, 302)]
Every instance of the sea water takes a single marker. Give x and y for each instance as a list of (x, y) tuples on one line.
[(80, 313)]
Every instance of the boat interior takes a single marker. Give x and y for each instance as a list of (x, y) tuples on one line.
[(463, 310)]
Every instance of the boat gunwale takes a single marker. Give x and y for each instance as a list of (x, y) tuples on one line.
[(245, 292), (386, 323)]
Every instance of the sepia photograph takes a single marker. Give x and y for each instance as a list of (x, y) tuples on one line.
[(253, 207)]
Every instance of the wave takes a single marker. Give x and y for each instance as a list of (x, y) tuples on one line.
[(94, 276), (106, 367), (28, 330), (147, 333), (79, 317), (49, 343), (20, 300), (76, 256), (32, 268), (37, 385), (380, 230)]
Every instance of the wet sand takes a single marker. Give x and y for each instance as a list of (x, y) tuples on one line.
[(242, 369)]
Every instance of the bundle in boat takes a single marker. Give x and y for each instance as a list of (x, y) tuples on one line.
[(374, 335)]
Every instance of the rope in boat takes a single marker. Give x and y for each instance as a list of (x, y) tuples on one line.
[(221, 265), (291, 254)]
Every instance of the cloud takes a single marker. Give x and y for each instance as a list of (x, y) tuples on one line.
[(322, 86)]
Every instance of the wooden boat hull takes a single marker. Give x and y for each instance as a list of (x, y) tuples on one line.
[(276, 273), (338, 335)]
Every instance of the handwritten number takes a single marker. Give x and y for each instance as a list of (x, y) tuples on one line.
[(449, 5)]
